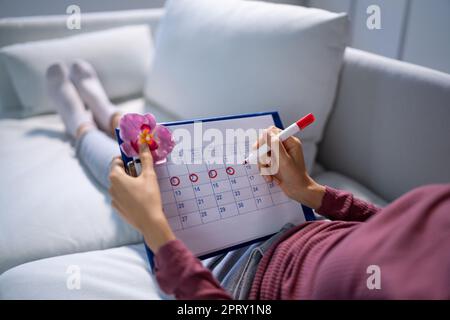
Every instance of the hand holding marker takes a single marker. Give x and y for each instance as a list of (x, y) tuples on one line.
[(297, 126)]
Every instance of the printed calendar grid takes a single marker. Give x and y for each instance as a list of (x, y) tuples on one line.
[(201, 215), (202, 212)]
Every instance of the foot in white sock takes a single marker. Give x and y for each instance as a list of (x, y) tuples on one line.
[(66, 98), (91, 91)]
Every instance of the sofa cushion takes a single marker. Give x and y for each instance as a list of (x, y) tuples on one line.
[(229, 57), (118, 273), (65, 210), (120, 56)]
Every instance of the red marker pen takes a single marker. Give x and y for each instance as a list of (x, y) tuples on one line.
[(283, 135)]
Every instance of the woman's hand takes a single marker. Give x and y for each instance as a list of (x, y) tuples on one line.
[(291, 175), (139, 201)]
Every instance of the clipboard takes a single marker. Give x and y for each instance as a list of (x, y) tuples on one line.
[(307, 212)]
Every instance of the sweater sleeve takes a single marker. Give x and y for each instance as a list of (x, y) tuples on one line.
[(179, 273), (342, 205)]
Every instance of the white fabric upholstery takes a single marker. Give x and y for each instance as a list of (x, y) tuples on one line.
[(19, 30), (119, 273), (230, 56), (120, 56), (49, 203), (390, 126)]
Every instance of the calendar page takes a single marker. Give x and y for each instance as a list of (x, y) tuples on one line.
[(214, 206)]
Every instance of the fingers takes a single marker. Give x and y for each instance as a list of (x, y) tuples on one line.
[(276, 180), (279, 158), (117, 161), (146, 158), (268, 179), (292, 143), (117, 177), (272, 136), (294, 148), (268, 163), (263, 138), (278, 153), (267, 137), (117, 167), (117, 174)]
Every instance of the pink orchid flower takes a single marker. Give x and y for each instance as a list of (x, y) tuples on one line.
[(138, 129)]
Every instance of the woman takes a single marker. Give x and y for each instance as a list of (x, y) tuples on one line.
[(397, 252)]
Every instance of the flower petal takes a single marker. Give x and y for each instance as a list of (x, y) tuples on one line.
[(146, 127), (135, 146), (158, 156), (164, 136), (153, 145), (128, 149), (149, 119), (165, 141), (130, 126)]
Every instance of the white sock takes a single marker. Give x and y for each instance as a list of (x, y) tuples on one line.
[(91, 91), (65, 96)]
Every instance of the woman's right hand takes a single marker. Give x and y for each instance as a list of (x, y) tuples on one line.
[(291, 174)]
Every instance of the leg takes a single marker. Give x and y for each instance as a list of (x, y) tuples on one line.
[(67, 101), (93, 94), (95, 151)]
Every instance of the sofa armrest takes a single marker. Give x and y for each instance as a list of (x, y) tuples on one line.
[(390, 126)]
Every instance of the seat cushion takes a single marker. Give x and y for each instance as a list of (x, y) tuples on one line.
[(49, 203), (118, 273), (339, 181)]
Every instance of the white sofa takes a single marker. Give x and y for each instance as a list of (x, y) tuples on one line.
[(388, 133)]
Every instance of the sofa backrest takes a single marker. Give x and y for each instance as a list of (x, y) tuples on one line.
[(390, 125), (18, 30)]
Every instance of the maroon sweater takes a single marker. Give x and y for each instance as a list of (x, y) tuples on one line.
[(409, 241)]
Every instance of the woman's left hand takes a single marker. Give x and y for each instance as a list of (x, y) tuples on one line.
[(138, 200)]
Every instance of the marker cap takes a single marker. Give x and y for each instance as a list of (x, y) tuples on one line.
[(305, 121)]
